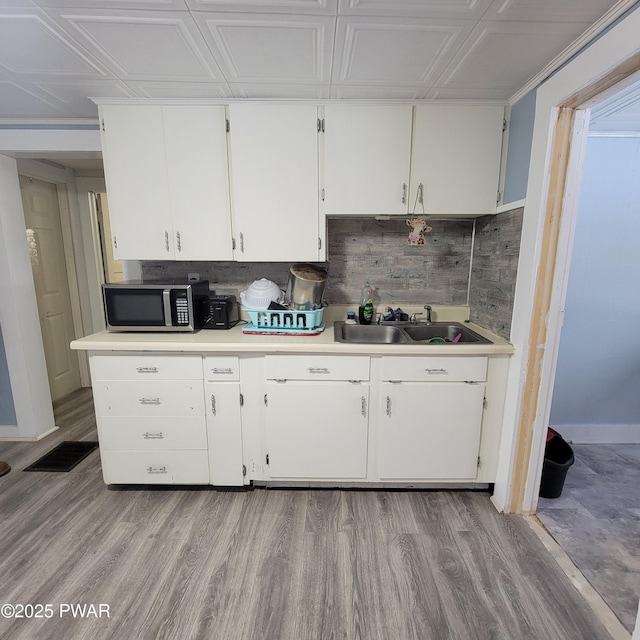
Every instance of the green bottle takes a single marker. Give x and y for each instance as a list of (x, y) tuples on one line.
[(365, 312)]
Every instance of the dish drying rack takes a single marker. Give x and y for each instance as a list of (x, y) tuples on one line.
[(285, 322)]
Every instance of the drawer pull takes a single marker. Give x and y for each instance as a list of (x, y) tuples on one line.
[(226, 370), (388, 406), (153, 436), (363, 406), (147, 369), (213, 404), (318, 370), (155, 470), (439, 372), (155, 401)]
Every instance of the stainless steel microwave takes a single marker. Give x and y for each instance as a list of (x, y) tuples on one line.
[(135, 305)]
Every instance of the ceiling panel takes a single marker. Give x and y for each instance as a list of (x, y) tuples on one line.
[(383, 51), (77, 95), (467, 9), (270, 49), (152, 46), (29, 45), (545, 11), (322, 7), (499, 55), (279, 91), (142, 5), (19, 103), (177, 90)]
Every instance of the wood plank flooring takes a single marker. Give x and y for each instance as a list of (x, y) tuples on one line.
[(596, 520), (191, 563)]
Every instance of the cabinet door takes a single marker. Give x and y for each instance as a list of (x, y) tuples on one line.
[(224, 430), (430, 431), (198, 178), (367, 150), (136, 177), (456, 156), (317, 431), (274, 182)]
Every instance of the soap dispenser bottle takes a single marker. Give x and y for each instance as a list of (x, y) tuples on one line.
[(366, 305)]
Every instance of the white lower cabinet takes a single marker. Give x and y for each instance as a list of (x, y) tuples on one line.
[(152, 428), (317, 417), (223, 402), (431, 430)]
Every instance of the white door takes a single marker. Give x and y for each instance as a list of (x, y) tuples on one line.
[(46, 249), (317, 430), (136, 174), (430, 431), (456, 157), (198, 176), (367, 150), (274, 182)]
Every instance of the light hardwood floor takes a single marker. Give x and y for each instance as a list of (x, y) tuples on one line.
[(191, 563)]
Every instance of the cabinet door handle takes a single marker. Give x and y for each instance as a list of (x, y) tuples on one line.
[(421, 194), (155, 401), (363, 406), (178, 241), (153, 436), (213, 404), (115, 242), (388, 406), (439, 372), (241, 242), (147, 369), (404, 193), (315, 370), (166, 240), (225, 370), (151, 470)]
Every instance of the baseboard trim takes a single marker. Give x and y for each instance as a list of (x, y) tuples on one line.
[(599, 433), (17, 438)]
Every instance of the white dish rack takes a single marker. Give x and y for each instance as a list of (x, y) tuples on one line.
[(285, 321)]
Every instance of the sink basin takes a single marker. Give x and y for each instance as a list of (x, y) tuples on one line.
[(368, 333), (443, 332)]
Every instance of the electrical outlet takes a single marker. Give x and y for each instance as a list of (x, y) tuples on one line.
[(192, 277)]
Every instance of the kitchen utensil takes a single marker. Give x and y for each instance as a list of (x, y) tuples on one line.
[(260, 294), (305, 287), (457, 338)]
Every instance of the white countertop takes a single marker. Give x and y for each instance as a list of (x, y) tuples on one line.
[(235, 341)]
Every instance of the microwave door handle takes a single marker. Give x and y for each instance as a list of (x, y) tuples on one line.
[(166, 302)]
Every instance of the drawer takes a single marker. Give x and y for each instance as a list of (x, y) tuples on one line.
[(149, 398), (137, 366), (154, 467), (152, 434), (317, 367), (222, 368), (437, 369)]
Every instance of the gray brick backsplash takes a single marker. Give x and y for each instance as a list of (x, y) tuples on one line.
[(365, 249), (494, 271)]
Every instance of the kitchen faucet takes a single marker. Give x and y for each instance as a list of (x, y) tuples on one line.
[(428, 310)]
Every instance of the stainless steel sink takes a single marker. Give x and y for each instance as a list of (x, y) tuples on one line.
[(448, 331), (434, 333), (368, 333)]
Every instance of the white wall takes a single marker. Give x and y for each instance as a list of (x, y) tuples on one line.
[(595, 398)]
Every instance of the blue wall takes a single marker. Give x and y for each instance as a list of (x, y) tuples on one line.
[(519, 148), (7, 409), (598, 373)]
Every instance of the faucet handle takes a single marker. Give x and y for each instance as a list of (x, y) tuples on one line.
[(427, 308)]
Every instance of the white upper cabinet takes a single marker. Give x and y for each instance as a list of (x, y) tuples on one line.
[(167, 181), (274, 182), (456, 157), (367, 150)]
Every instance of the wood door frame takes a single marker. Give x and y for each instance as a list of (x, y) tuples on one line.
[(565, 124)]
